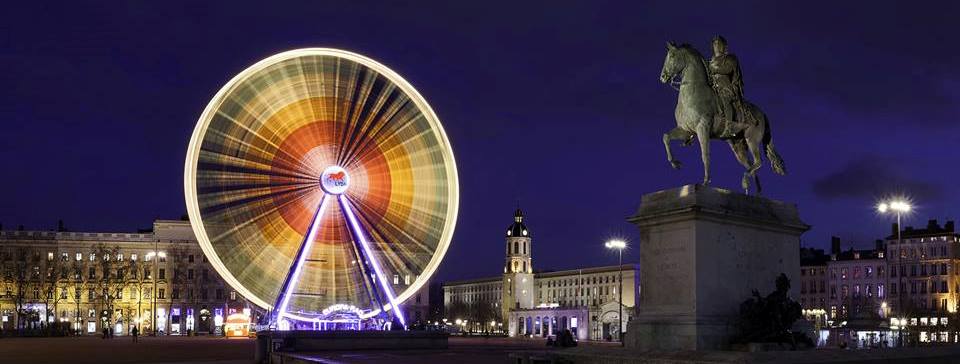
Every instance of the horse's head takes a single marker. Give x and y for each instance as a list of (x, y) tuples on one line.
[(673, 64)]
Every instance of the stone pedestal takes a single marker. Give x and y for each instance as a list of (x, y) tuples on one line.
[(702, 251)]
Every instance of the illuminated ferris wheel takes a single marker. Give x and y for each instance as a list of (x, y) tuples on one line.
[(319, 178)]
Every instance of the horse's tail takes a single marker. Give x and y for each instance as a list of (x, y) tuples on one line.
[(776, 162)]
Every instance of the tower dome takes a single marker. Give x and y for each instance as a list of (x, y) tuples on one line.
[(518, 229)]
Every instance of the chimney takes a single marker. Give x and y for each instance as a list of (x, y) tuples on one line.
[(932, 225), (948, 226), (879, 245), (834, 247)]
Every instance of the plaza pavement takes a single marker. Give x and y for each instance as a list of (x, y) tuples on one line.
[(214, 350), (120, 350)]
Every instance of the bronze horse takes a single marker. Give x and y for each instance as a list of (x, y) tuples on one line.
[(698, 116)]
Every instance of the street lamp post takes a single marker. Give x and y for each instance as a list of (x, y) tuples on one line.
[(619, 245), (155, 255), (898, 207)]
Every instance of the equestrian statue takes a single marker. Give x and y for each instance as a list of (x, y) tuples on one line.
[(711, 105)]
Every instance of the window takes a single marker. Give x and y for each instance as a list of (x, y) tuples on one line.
[(233, 295), (396, 279), (133, 257), (49, 256), (162, 274), (205, 273), (219, 294), (189, 273), (163, 257), (79, 257), (203, 294), (90, 294), (161, 293), (516, 247), (119, 257), (92, 273), (943, 269), (943, 287), (843, 273), (93, 256), (893, 272), (190, 258), (175, 294), (406, 279), (146, 273)]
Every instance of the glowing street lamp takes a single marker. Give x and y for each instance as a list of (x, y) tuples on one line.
[(156, 268), (619, 245), (897, 206)]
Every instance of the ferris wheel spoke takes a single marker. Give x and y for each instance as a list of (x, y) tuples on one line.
[(376, 136), (390, 231), (243, 200), (293, 276), (275, 208), (368, 252), (373, 122), (286, 160), (218, 160)]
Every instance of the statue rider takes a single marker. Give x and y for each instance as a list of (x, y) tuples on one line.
[(728, 83)]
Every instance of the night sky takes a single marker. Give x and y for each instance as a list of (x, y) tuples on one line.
[(556, 106)]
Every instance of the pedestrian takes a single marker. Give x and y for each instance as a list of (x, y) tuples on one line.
[(104, 333), (111, 333), (135, 332)]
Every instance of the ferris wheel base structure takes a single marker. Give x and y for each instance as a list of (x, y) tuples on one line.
[(315, 176)]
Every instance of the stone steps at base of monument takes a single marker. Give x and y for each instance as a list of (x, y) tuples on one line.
[(594, 355)]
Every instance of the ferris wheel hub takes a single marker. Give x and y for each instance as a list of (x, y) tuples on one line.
[(334, 180)]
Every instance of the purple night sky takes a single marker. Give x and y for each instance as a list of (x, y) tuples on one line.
[(557, 106)]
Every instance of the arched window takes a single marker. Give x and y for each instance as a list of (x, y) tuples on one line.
[(516, 247), (524, 247), (524, 266)]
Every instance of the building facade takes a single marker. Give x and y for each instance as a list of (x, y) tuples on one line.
[(114, 281), (924, 280), (525, 302), (905, 289)]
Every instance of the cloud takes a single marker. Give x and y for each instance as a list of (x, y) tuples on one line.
[(871, 177)]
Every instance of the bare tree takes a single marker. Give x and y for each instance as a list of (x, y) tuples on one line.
[(81, 282), (16, 281), (112, 280)]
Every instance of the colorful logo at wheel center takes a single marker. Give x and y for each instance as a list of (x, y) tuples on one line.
[(334, 180)]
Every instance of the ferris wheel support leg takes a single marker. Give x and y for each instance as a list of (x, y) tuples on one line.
[(361, 237), (293, 276)]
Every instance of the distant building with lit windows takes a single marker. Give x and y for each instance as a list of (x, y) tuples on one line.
[(525, 302), (857, 280), (925, 280), (108, 280)]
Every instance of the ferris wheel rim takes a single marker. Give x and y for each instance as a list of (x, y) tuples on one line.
[(196, 140)]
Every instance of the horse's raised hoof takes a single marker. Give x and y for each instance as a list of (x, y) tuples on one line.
[(675, 164)]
